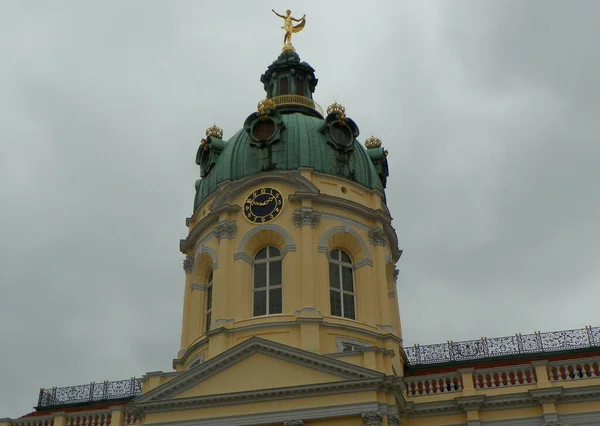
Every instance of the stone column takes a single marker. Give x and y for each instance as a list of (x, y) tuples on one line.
[(224, 232), (372, 419), (188, 267)]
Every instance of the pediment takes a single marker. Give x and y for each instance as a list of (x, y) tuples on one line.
[(256, 365)]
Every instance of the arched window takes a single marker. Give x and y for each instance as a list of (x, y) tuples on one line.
[(208, 311), (266, 285), (341, 285)]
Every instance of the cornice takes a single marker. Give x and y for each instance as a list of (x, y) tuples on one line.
[(205, 223), (305, 391)]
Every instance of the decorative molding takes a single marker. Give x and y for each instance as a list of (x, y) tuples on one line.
[(544, 396), (202, 249), (313, 413), (394, 420), (225, 229), (470, 403), (396, 272), (377, 237), (373, 418), (347, 230), (363, 262), (188, 264), (305, 217), (201, 226), (231, 190), (201, 287), (293, 423), (289, 242), (391, 293)]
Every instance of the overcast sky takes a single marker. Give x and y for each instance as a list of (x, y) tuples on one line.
[(489, 111)]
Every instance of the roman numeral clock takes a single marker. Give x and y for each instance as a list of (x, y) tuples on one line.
[(263, 205)]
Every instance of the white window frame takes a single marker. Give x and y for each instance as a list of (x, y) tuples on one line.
[(340, 264), (357, 344), (268, 286)]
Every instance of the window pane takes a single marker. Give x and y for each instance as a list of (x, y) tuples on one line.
[(262, 254), (347, 279), (275, 301), (210, 278), (283, 86), (336, 303), (349, 306), (274, 252), (208, 320), (260, 275), (209, 298), (260, 303), (345, 258), (334, 275), (275, 273), (335, 254)]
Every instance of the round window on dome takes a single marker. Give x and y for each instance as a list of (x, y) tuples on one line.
[(263, 130), (341, 135)]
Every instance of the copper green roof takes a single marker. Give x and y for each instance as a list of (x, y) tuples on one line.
[(301, 145)]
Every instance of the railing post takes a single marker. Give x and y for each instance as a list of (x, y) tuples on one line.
[(132, 386), (53, 396), (519, 343), (588, 331), (450, 351), (105, 389), (91, 397), (486, 350), (538, 338), (417, 353), (40, 397)]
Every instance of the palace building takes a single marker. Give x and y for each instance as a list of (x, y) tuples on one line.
[(290, 310)]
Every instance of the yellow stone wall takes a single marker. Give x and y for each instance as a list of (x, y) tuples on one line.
[(305, 321)]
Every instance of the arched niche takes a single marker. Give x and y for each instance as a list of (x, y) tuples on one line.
[(347, 239), (262, 236)]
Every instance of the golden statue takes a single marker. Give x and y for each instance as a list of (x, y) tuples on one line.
[(289, 27)]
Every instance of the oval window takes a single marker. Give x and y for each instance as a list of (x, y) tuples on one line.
[(341, 135), (263, 130)]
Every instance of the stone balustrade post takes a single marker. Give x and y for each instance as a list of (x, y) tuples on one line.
[(60, 418), (466, 375), (116, 416), (541, 372)]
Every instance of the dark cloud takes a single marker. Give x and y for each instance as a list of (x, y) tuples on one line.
[(488, 110)]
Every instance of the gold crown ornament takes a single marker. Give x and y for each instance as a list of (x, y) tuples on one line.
[(337, 108), (214, 132), (265, 106), (373, 142)]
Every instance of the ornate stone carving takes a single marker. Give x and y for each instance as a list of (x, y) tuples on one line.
[(305, 217), (372, 419), (188, 264), (377, 237), (396, 272), (293, 423), (394, 420), (225, 229)]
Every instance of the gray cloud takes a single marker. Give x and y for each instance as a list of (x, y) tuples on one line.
[(488, 110)]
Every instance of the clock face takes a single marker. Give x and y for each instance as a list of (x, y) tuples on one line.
[(263, 205)]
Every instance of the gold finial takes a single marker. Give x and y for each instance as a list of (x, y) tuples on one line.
[(373, 142), (265, 106), (335, 107), (290, 28), (214, 131)]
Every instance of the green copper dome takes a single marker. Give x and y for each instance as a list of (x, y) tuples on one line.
[(289, 132)]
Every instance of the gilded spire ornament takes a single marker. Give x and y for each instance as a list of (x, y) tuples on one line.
[(290, 28), (373, 142), (214, 132)]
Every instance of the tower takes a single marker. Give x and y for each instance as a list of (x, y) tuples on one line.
[(291, 239)]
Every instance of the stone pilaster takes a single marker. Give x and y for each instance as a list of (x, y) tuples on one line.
[(225, 229), (305, 217)]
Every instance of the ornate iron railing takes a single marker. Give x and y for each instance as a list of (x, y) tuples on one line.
[(501, 346), (297, 100), (91, 392)]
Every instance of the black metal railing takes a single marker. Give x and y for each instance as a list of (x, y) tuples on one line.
[(91, 392), (501, 346)]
